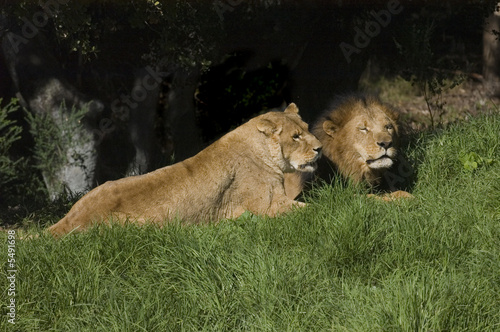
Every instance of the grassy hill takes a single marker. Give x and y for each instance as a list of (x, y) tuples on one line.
[(345, 263)]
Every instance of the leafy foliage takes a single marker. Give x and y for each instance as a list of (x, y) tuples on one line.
[(163, 31), (58, 142), (10, 132), (472, 161), (420, 69)]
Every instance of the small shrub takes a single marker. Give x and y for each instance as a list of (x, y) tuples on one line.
[(422, 69), (58, 143), (472, 161), (10, 132)]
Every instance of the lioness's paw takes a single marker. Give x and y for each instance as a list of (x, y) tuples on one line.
[(299, 204)]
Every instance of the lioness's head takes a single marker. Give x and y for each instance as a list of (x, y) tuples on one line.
[(360, 136), (291, 144)]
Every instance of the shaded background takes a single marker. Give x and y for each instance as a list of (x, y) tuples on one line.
[(159, 80)]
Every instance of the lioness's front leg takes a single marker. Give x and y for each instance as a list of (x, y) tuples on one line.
[(282, 204), (266, 205), (294, 184)]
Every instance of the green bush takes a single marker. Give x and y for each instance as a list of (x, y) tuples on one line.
[(419, 62), (58, 142), (10, 132), (26, 176)]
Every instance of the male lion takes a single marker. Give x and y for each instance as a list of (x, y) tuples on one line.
[(360, 138), (241, 171)]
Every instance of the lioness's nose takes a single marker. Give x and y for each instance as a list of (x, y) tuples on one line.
[(318, 149), (385, 144)]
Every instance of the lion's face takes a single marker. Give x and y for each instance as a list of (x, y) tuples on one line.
[(360, 137), (373, 139), (293, 146)]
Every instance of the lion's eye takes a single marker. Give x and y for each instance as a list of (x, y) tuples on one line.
[(363, 129), (389, 127), (296, 137)]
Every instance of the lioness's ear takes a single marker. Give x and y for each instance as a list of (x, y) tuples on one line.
[(268, 127), (292, 108), (329, 127)]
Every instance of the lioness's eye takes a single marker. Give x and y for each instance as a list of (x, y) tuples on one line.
[(389, 127), (363, 129), (296, 137)]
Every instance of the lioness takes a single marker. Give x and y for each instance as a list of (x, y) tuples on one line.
[(241, 171), (360, 136)]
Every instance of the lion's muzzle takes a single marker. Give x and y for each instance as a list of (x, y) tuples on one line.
[(382, 162)]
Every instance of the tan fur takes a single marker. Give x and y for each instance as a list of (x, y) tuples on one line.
[(242, 171), (360, 141)]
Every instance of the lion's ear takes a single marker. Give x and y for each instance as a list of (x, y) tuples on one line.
[(329, 127), (395, 116), (268, 127), (292, 108), (391, 113)]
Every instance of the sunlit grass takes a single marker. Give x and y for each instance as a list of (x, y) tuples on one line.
[(345, 263)]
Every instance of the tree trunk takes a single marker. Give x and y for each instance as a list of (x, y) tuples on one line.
[(491, 53)]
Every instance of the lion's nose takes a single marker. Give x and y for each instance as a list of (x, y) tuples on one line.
[(385, 144), (318, 149)]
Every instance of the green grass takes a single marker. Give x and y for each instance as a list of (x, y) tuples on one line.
[(344, 263)]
